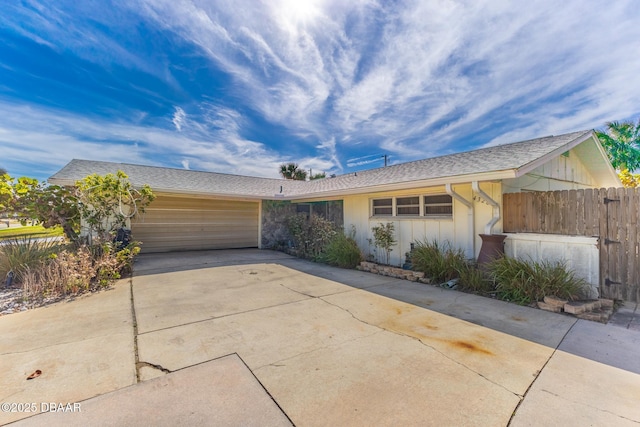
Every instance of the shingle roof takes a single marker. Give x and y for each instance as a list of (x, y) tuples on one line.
[(452, 168), (507, 157), (172, 180)]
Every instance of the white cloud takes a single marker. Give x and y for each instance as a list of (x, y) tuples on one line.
[(409, 79), (178, 118), (68, 136)]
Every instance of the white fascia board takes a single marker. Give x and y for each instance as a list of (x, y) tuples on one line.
[(462, 179), (553, 154)]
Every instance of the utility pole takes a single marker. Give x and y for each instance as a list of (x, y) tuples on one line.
[(385, 160)]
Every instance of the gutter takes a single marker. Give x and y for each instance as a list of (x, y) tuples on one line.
[(449, 189), (475, 185)]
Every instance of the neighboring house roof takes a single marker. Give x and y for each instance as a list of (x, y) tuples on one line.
[(492, 163)]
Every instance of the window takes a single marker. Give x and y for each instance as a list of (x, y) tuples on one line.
[(408, 206), (304, 209), (440, 205), (382, 207)]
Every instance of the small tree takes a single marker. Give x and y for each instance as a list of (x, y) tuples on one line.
[(107, 202), (48, 205), (383, 238), (104, 202)]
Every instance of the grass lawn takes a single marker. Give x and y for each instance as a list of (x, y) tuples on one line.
[(29, 230)]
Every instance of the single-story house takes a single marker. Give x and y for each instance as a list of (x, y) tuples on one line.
[(454, 197)]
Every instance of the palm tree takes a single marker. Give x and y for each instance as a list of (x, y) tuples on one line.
[(621, 141), (292, 171)]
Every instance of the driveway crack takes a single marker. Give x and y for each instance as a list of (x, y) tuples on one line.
[(151, 365), (296, 291)]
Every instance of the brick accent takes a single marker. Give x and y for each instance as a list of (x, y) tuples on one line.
[(549, 307), (555, 301)]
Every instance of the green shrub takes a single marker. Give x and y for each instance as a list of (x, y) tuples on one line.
[(24, 253), (474, 280), (311, 236), (525, 282), (438, 261), (342, 251)]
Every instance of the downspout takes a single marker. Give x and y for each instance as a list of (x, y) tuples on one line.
[(469, 205), (496, 207)]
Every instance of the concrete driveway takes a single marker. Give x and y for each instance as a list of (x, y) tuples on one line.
[(249, 337)]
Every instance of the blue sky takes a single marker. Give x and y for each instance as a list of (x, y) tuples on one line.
[(243, 86)]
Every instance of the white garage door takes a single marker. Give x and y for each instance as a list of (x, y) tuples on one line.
[(179, 223)]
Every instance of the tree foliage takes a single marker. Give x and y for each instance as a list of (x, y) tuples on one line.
[(317, 176), (621, 141), (292, 171), (628, 179), (107, 201), (104, 202), (48, 205)]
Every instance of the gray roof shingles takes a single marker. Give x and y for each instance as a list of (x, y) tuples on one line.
[(492, 159)]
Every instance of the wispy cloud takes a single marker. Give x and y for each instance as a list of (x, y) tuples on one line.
[(248, 85), (178, 118), (437, 70), (67, 136)]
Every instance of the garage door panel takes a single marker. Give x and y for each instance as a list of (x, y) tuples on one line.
[(164, 216), (177, 223), (186, 203), (210, 232)]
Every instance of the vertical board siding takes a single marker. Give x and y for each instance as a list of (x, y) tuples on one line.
[(611, 214)]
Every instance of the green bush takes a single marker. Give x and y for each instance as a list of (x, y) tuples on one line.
[(474, 280), (311, 235), (438, 261), (342, 251), (24, 253), (525, 282)]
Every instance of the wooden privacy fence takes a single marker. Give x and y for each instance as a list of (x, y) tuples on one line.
[(611, 214)]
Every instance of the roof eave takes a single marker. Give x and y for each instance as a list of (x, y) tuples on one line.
[(407, 185), (522, 170), (607, 177), (179, 192)]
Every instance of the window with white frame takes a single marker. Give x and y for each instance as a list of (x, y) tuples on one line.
[(431, 206), (408, 206), (383, 207), (440, 205)]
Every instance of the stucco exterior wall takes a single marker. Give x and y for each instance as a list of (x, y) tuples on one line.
[(565, 172), (458, 230)]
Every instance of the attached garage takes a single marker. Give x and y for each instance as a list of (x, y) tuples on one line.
[(173, 223)]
